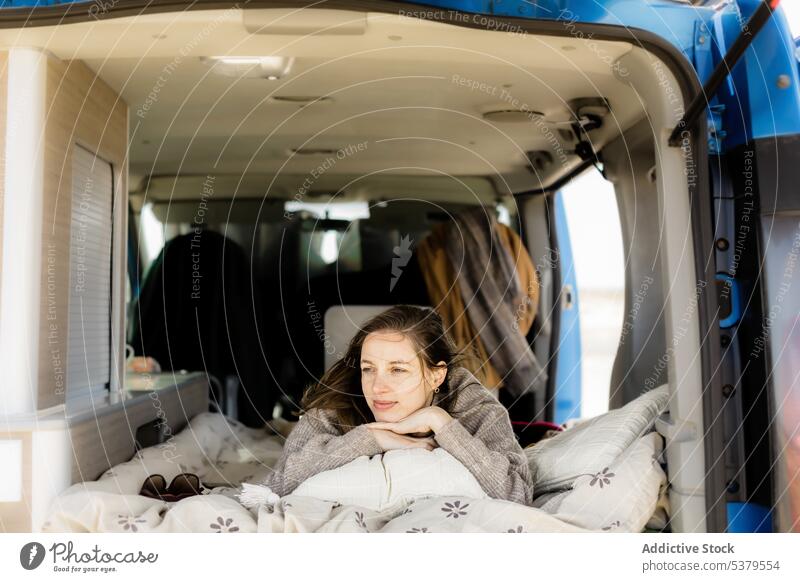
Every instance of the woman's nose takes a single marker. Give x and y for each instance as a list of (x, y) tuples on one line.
[(381, 386)]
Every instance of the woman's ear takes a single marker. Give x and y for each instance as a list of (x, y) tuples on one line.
[(439, 372)]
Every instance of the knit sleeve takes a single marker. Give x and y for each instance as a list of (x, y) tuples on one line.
[(316, 445), (483, 440)]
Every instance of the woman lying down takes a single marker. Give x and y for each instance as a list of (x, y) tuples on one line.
[(399, 386)]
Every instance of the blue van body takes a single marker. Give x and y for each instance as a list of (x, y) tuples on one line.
[(568, 378)]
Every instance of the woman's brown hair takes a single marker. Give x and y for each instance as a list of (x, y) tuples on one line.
[(339, 389)]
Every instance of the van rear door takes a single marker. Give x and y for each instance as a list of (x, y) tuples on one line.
[(754, 155)]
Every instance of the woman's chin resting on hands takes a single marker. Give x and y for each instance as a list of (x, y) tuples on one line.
[(422, 423)]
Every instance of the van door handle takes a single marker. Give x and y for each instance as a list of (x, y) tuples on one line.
[(567, 297)]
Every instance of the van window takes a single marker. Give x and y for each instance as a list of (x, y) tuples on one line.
[(596, 238)]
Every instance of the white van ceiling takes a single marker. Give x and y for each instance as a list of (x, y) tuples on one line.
[(399, 86)]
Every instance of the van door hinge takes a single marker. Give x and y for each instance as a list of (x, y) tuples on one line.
[(703, 55), (705, 41)]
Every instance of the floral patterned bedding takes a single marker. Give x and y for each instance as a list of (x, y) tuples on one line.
[(622, 497)]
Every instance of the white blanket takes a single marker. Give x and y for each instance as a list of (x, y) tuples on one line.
[(620, 498)]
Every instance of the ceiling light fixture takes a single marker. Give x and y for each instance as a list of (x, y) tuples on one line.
[(271, 68)]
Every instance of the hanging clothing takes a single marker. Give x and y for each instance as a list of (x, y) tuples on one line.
[(483, 284), (200, 310)]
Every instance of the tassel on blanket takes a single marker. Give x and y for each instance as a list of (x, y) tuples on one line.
[(254, 496)]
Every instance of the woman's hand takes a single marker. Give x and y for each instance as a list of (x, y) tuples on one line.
[(389, 440), (422, 422)]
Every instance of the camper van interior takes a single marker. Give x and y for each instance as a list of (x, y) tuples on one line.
[(232, 192)]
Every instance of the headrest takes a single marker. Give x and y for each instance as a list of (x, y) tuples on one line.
[(341, 324)]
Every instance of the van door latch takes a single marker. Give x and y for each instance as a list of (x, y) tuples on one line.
[(675, 430)]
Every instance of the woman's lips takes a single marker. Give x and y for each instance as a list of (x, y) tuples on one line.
[(383, 404)]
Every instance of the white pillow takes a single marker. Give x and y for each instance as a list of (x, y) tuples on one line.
[(620, 498), (393, 477), (594, 444)]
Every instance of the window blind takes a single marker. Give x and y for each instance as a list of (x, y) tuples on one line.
[(89, 344)]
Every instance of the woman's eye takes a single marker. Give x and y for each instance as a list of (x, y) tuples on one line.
[(366, 370), (397, 370)]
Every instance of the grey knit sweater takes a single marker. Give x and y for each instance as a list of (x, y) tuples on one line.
[(480, 436)]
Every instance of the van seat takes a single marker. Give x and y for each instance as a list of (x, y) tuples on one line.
[(342, 322)]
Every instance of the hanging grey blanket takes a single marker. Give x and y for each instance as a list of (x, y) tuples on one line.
[(492, 294)]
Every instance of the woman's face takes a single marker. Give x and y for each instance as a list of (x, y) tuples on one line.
[(392, 376)]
